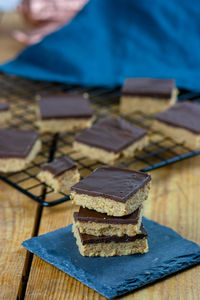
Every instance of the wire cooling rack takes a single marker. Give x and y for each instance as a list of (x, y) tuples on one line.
[(21, 94)]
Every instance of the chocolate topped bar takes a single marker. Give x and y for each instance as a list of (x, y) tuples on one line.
[(113, 183), (111, 134), (88, 215), (64, 106), (149, 87), (4, 106), (91, 239), (184, 115), (59, 166), (16, 143)]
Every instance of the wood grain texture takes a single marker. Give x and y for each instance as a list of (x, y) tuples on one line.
[(17, 212), (17, 223), (174, 202)]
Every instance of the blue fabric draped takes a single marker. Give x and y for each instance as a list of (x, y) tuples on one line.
[(110, 40)]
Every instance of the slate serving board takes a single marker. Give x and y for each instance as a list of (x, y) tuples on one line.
[(115, 276)]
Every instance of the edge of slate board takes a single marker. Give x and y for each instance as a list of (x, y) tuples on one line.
[(127, 285)]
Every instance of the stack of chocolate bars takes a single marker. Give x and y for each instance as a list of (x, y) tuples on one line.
[(109, 220)]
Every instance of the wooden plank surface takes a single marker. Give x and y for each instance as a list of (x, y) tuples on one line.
[(18, 214), (9, 46), (174, 202), (17, 223)]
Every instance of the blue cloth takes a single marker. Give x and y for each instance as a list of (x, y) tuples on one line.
[(110, 40), (115, 276)]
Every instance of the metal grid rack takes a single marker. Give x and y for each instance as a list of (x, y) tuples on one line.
[(22, 94)]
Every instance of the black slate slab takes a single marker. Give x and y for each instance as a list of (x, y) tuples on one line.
[(115, 276)]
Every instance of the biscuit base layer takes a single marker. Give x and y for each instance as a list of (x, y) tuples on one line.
[(111, 249), (180, 135), (106, 229), (147, 105), (112, 207), (18, 164), (108, 157), (61, 183), (59, 126), (5, 116)]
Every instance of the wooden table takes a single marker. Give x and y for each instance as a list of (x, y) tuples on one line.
[(174, 202)]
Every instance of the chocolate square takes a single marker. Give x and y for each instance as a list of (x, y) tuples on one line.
[(16, 143), (113, 183), (149, 87), (89, 215), (111, 134), (59, 166), (184, 115), (64, 106)]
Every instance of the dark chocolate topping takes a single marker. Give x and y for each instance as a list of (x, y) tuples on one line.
[(184, 115), (150, 87), (91, 239), (111, 134), (4, 106), (88, 215), (64, 106), (113, 183), (16, 143), (59, 166)]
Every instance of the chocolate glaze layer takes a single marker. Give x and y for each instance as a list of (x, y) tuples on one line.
[(59, 166), (4, 106), (111, 134), (113, 183), (89, 216), (91, 239), (64, 106), (16, 143), (184, 115), (149, 87)]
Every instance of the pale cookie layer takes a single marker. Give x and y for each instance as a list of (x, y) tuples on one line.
[(5, 116), (61, 183), (57, 125), (106, 229), (112, 207), (18, 164), (147, 105), (180, 135), (136, 146), (110, 249), (108, 157)]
